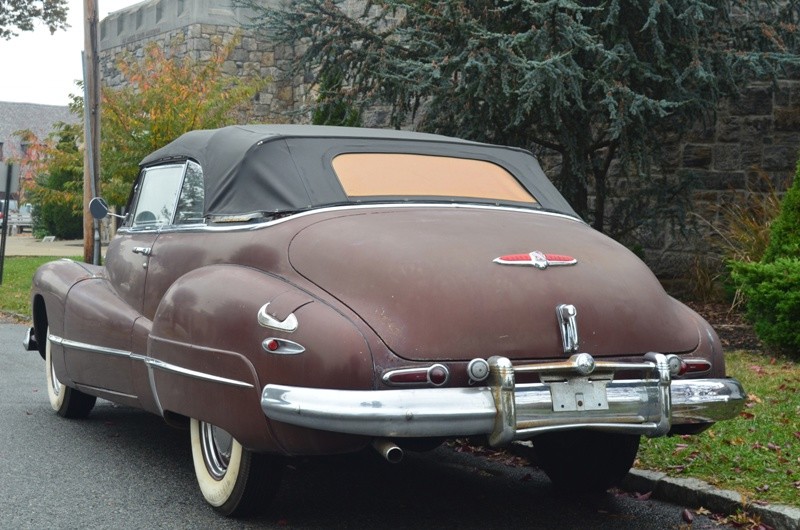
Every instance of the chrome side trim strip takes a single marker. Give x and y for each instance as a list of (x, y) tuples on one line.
[(104, 391), (167, 367), (150, 362), (55, 339), (151, 380)]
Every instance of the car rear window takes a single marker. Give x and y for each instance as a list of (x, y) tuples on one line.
[(410, 175)]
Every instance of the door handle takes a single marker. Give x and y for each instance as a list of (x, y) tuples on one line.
[(144, 251)]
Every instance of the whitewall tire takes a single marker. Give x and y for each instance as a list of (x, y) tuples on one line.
[(233, 480)]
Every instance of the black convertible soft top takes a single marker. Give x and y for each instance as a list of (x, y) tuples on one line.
[(283, 168)]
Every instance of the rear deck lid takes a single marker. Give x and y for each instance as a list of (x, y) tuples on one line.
[(428, 281)]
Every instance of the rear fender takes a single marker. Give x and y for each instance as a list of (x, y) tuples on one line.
[(209, 362)]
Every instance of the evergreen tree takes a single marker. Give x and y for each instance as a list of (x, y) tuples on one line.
[(332, 106)]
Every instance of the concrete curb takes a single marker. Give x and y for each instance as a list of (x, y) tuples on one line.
[(696, 493), (692, 493)]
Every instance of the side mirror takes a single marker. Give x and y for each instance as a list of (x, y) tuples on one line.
[(98, 208)]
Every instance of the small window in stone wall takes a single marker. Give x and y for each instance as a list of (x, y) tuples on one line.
[(159, 12), (139, 18), (1, 151), (120, 24), (181, 7)]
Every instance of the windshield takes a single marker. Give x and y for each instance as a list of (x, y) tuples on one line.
[(402, 175)]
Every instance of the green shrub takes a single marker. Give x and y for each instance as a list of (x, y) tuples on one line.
[(785, 231), (57, 219), (771, 287), (772, 291)]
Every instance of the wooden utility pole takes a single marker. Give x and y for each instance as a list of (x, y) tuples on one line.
[(91, 110)]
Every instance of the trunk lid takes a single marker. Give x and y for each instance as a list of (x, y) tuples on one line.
[(425, 280)]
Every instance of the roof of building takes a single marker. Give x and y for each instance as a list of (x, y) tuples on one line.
[(36, 118)]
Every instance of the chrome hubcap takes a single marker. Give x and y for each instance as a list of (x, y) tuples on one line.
[(217, 445)]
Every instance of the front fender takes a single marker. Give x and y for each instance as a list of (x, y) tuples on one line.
[(51, 284), (208, 359)]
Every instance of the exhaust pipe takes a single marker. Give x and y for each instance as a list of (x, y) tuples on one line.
[(388, 450)]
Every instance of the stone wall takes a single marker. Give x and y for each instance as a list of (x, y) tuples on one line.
[(192, 28), (750, 150)]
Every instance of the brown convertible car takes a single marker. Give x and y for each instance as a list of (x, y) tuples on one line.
[(301, 290)]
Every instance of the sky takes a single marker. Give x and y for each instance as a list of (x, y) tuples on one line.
[(37, 67)]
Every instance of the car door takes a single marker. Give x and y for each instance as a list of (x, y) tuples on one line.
[(101, 314), (182, 245), (152, 208)]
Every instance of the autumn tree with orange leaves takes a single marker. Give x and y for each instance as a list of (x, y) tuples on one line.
[(163, 97)]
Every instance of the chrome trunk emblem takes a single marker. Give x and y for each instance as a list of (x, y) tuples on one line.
[(537, 259), (569, 327)]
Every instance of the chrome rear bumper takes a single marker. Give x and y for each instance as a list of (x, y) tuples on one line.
[(573, 396)]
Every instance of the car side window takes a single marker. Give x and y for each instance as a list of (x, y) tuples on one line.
[(158, 195), (191, 201)]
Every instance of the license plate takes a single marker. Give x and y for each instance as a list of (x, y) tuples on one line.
[(578, 394)]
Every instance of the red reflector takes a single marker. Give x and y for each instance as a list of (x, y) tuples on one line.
[(438, 375), (697, 365), (416, 376), (273, 345), (684, 367)]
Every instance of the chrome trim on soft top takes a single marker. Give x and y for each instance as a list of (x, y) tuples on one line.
[(321, 210)]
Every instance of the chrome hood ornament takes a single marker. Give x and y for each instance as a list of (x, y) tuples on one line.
[(537, 259)]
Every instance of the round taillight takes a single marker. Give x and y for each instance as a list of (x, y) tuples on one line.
[(438, 374), (272, 345)]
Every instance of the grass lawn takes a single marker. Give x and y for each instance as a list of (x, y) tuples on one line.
[(756, 454)]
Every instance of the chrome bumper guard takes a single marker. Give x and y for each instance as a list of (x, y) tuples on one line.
[(577, 393)]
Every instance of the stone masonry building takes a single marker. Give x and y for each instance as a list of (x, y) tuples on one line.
[(192, 28), (752, 145)]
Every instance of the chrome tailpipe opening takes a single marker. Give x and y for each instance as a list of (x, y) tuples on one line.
[(388, 450)]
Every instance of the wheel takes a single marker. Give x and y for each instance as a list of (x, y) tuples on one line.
[(233, 480), (585, 460), (67, 402)]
